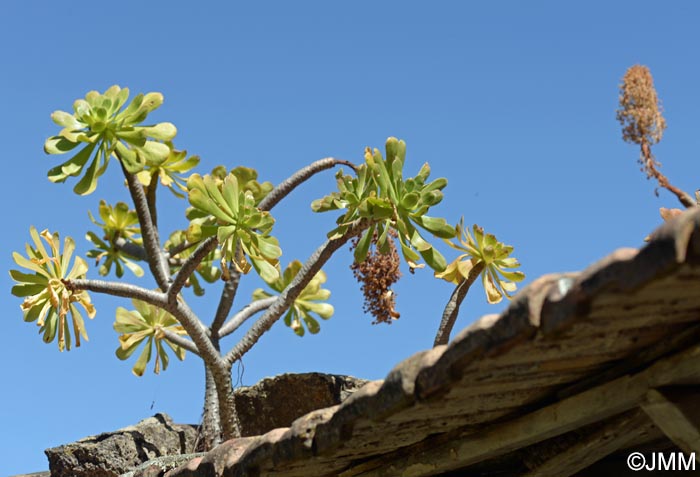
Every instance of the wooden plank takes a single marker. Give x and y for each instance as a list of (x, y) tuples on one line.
[(617, 433), (675, 411), (590, 406)]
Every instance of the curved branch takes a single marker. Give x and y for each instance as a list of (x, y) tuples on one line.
[(125, 290), (180, 340), (139, 253), (228, 294), (289, 184), (151, 199), (131, 249), (650, 166), (289, 294), (194, 327), (242, 316), (449, 316), (180, 247), (190, 265), (156, 258)]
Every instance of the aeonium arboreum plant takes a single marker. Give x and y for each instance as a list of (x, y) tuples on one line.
[(498, 277), (229, 233), (102, 128), (379, 192), (48, 301), (483, 255), (242, 230), (118, 222), (147, 322), (168, 171), (310, 300)]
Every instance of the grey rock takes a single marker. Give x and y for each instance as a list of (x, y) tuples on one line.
[(113, 453), (271, 403), (278, 401)]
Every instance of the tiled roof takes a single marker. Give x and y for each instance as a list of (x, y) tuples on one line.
[(573, 362)]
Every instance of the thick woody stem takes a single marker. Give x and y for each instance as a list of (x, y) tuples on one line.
[(156, 258), (449, 316), (228, 294), (211, 424)]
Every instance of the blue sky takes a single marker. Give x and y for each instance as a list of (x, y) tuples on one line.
[(513, 102)]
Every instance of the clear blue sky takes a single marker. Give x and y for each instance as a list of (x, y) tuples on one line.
[(514, 102)]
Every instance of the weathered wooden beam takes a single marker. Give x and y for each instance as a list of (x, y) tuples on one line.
[(676, 412), (593, 405), (589, 447)]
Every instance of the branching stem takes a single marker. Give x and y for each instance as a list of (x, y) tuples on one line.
[(242, 316), (228, 294), (180, 341), (179, 309), (289, 294), (289, 184), (190, 265), (151, 199), (650, 166), (449, 316), (156, 258)]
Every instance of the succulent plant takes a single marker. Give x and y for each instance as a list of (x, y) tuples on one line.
[(309, 301), (239, 226), (102, 128), (48, 300), (146, 323), (117, 222), (497, 276), (380, 192), (169, 170)]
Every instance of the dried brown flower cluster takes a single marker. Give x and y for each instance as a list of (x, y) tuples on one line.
[(640, 114), (377, 273), (643, 124)]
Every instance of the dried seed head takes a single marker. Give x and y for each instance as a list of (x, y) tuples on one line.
[(640, 114), (640, 109), (377, 273)]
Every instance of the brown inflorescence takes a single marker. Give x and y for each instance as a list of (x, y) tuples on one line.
[(640, 114), (377, 273)]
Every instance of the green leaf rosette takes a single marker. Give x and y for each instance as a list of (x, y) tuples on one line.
[(146, 324), (310, 300), (380, 192), (226, 210), (169, 171), (117, 222), (498, 277), (100, 127), (47, 299)]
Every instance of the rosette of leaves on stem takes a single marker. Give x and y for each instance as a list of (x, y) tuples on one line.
[(380, 192), (146, 323), (99, 127), (117, 222), (309, 301), (226, 210), (247, 181), (47, 300), (207, 269), (169, 171), (498, 277)]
